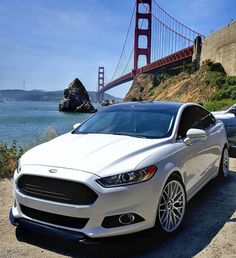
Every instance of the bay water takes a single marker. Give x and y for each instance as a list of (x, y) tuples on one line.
[(28, 122)]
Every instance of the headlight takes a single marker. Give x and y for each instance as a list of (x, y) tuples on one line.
[(128, 178), (18, 168)]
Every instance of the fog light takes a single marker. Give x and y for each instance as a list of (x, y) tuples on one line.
[(126, 219), (121, 220)]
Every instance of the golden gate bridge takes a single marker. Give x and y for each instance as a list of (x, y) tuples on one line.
[(159, 38)]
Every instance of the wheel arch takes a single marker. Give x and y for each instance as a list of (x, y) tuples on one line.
[(175, 173)]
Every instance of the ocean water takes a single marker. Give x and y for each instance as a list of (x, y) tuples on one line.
[(28, 122)]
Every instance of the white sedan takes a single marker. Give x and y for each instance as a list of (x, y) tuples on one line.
[(127, 168)]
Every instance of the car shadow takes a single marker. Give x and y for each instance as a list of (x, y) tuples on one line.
[(207, 213)]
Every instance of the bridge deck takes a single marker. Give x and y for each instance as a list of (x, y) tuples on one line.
[(181, 55)]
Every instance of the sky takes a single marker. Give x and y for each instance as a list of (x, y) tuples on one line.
[(45, 44)]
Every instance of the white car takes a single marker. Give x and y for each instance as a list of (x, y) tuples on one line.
[(127, 168)]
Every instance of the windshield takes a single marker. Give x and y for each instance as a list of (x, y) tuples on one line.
[(148, 123)]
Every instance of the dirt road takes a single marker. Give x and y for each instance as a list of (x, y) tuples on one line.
[(209, 231)]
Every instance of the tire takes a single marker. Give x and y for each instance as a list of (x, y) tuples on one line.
[(224, 165), (171, 207)]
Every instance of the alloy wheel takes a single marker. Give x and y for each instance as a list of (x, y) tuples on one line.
[(225, 164), (172, 206)]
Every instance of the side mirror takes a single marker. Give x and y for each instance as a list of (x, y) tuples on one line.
[(76, 125), (195, 134)]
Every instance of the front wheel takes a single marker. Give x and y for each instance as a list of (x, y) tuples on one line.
[(224, 164), (171, 208)]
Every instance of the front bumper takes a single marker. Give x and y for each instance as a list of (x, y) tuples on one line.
[(44, 229), (141, 199)]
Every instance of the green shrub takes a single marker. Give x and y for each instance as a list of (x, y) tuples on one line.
[(8, 159), (189, 68), (157, 79), (226, 92), (218, 105), (215, 79), (163, 77), (230, 80)]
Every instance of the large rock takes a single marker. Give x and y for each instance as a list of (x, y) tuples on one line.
[(76, 98)]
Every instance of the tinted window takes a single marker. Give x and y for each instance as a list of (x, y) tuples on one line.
[(150, 123), (189, 119), (205, 117), (194, 117)]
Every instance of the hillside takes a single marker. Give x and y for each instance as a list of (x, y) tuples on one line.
[(39, 95), (208, 85)]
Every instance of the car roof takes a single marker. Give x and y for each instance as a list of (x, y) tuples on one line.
[(147, 104)]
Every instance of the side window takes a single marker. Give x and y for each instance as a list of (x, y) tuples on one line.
[(189, 119), (206, 119)]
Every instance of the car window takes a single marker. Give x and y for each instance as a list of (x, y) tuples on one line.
[(189, 119), (149, 123), (206, 119), (194, 117)]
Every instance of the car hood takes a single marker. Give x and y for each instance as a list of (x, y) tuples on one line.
[(100, 154)]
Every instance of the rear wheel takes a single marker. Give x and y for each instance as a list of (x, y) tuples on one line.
[(172, 204), (224, 164)]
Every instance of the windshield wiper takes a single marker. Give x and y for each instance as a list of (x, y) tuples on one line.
[(131, 135)]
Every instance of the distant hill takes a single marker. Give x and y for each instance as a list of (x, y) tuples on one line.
[(40, 95)]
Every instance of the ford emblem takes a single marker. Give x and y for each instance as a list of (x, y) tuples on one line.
[(53, 170)]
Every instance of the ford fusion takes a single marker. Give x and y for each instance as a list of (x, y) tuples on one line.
[(127, 168)]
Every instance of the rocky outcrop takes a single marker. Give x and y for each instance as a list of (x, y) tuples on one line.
[(76, 99)]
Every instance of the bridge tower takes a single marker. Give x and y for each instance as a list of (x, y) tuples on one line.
[(147, 32), (101, 81)]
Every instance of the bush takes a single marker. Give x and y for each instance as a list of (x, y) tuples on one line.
[(215, 79), (230, 80), (8, 159), (189, 68), (218, 105), (155, 81), (226, 92)]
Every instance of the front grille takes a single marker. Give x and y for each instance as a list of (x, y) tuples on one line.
[(57, 190), (55, 219)]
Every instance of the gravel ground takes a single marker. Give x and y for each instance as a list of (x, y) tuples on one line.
[(209, 231)]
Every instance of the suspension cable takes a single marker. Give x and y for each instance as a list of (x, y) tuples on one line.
[(123, 48), (177, 20), (166, 25)]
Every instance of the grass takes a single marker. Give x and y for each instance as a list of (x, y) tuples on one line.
[(9, 155)]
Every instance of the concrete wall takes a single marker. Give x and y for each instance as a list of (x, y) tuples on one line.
[(221, 47)]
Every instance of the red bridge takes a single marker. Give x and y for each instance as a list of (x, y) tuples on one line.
[(160, 38)]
